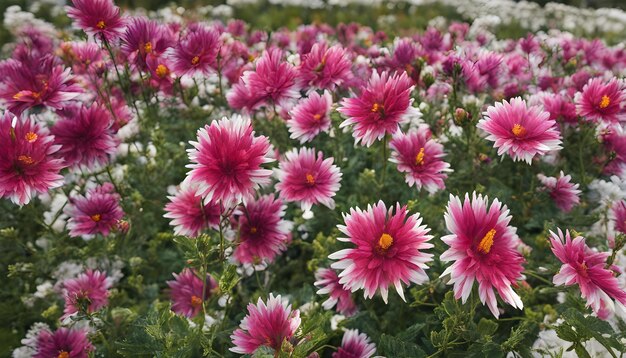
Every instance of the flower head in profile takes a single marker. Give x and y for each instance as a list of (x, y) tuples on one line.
[(483, 247), (618, 212), (602, 101), (355, 345), (325, 67), (189, 214), (63, 343), (187, 292), (98, 212), (520, 131), (310, 117), (97, 18), (266, 325), (328, 283), (586, 268), (388, 250), (87, 293), (196, 52), (564, 193)]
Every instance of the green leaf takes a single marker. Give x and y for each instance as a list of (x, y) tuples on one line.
[(487, 327), (394, 347)]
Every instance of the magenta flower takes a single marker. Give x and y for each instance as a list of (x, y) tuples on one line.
[(388, 250), (189, 215), (564, 193), (520, 131), (187, 292), (325, 68), (96, 213), (28, 163), (226, 161), (310, 117), (585, 267), (306, 179), (144, 38), (328, 282), (97, 17), (382, 106), (267, 325), (619, 216), (196, 52), (483, 247), (561, 109), (420, 156), (600, 101), (63, 343), (355, 345), (87, 293)]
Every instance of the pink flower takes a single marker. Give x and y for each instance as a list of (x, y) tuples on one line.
[(328, 282), (196, 52), (303, 177), (96, 213), (144, 38), (619, 216), (382, 106), (267, 325), (87, 293), (97, 17), (355, 345), (28, 163), (63, 343), (325, 68), (420, 156), (600, 101), (189, 215), (483, 247), (388, 250), (561, 109), (310, 117), (585, 267), (564, 193), (226, 161), (520, 131), (189, 292)]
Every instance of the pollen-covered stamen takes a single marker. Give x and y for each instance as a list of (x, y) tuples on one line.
[(419, 158), (486, 242), (310, 179), (518, 130), (63, 354), (196, 301), (195, 60), (26, 159), (377, 108), (147, 47), (317, 116), (385, 242), (101, 25), (31, 137), (96, 217), (604, 102), (162, 70), (253, 230)]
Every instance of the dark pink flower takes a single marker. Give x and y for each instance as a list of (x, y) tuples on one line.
[(97, 18), (189, 292), (87, 293), (328, 283), (96, 213), (189, 215), (564, 193), (63, 343), (325, 68), (310, 117), (615, 147), (561, 108), (196, 52), (618, 212), (602, 101), (144, 38), (355, 345)]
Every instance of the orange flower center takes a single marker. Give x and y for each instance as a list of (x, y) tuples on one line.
[(253, 230), (195, 60), (17, 95), (310, 179), (196, 301), (251, 58), (148, 47), (63, 354), (385, 241), (487, 242), (26, 159), (161, 70), (101, 25), (518, 130), (317, 117), (31, 137), (419, 158), (377, 107), (96, 217), (604, 102)]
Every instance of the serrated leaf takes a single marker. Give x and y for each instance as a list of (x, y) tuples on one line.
[(394, 347), (487, 327)]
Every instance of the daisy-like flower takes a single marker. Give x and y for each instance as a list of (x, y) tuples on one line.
[(263, 233), (355, 345), (28, 161), (266, 325), (483, 247), (520, 131), (419, 156), (63, 343), (87, 293), (564, 193), (226, 161), (310, 117), (619, 216), (602, 101), (187, 292), (325, 68), (196, 52), (97, 17), (328, 282), (306, 179), (585, 267), (96, 213), (189, 215), (144, 38), (383, 105), (388, 250)]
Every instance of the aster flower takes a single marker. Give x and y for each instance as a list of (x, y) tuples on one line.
[(196, 52), (325, 68), (188, 213), (382, 106), (602, 101), (310, 117), (328, 282), (306, 179), (96, 213), (355, 345), (619, 216), (226, 161), (561, 108), (28, 161), (266, 325), (63, 343), (520, 131), (187, 292), (420, 156), (87, 293), (388, 250), (585, 267), (483, 247), (144, 38), (564, 193), (97, 17)]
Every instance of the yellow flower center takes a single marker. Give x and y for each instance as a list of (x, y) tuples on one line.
[(63, 354), (148, 47), (253, 230), (251, 58), (195, 60), (196, 301), (310, 179), (161, 70), (26, 159), (419, 158), (377, 107), (317, 117), (385, 241), (518, 130), (487, 242), (96, 217), (604, 102), (101, 25), (17, 95), (31, 137)]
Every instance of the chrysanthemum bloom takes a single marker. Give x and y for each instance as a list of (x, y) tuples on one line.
[(306, 179), (99, 18), (585, 267), (87, 293), (144, 38), (196, 52), (325, 68), (600, 101), (328, 282), (420, 156), (355, 345), (619, 216), (226, 161), (388, 250), (520, 131), (28, 163), (561, 108), (263, 233), (86, 138), (63, 343), (382, 106), (187, 292), (483, 247), (189, 215), (266, 325), (564, 193), (96, 213), (310, 117)]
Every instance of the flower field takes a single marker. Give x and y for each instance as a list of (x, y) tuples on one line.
[(319, 179)]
